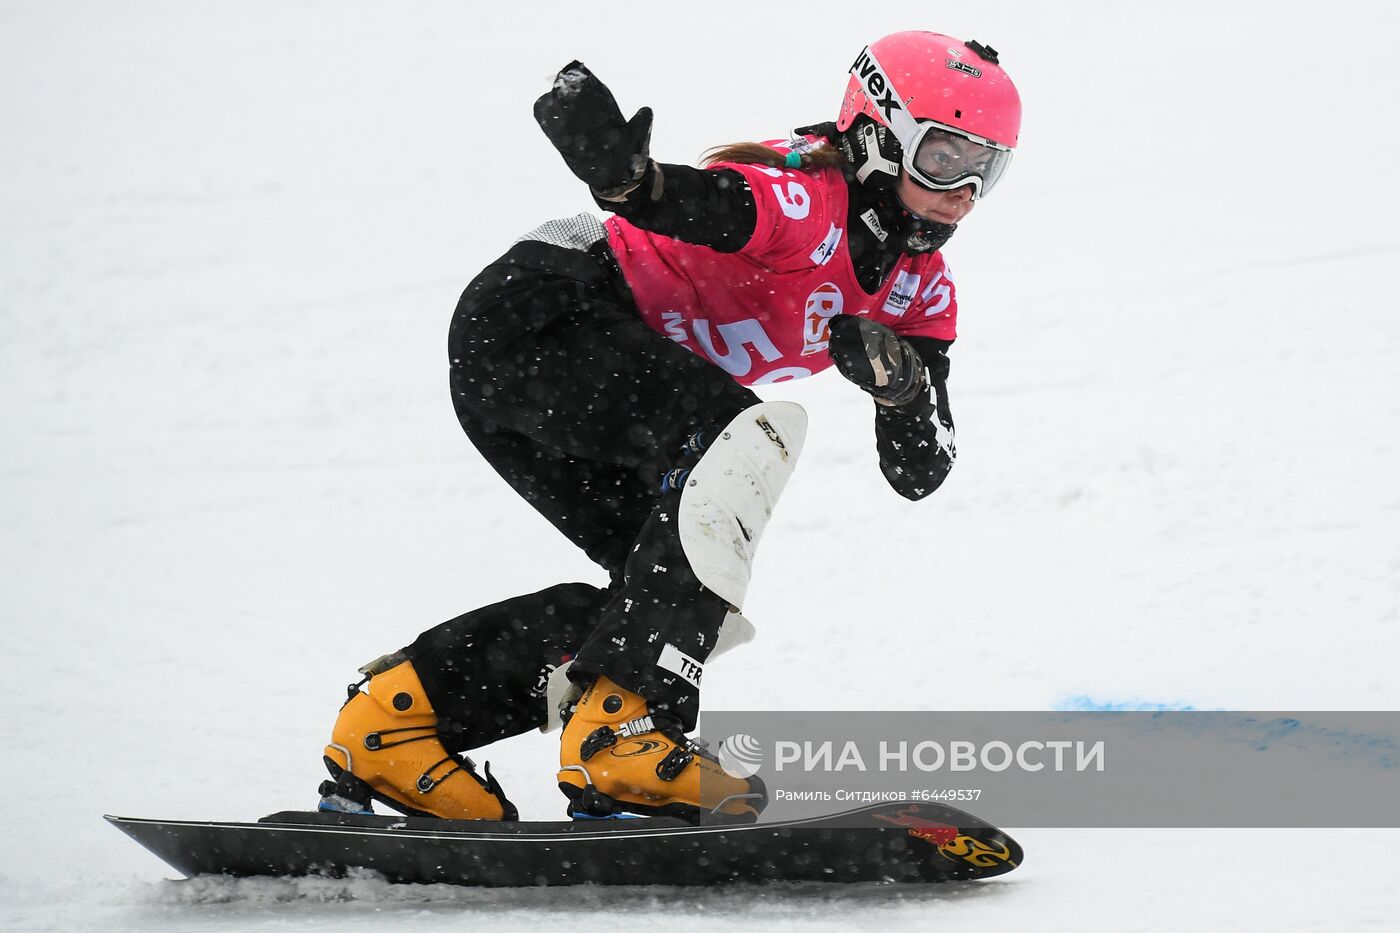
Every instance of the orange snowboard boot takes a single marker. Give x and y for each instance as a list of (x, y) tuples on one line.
[(615, 755), (385, 745)]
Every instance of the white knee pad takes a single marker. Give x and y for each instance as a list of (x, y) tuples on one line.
[(730, 494)]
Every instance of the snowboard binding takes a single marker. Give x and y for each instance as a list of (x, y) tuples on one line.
[(345, 794), (589, 803)]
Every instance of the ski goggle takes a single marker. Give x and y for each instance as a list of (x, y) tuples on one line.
[(942, 158)]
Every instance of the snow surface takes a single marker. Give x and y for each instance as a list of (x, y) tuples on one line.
[(232, 236)]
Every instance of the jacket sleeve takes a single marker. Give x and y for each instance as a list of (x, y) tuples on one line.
[(915, 441), (707, 207)]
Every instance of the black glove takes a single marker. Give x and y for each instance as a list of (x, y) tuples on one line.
[(582, 120), (877, 359)]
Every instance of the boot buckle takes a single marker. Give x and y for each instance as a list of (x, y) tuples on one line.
[(599, 739), (670, 767), (635, 727)]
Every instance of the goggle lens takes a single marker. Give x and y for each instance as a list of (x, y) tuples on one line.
[(944, 159)]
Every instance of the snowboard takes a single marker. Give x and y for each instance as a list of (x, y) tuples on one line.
[(889, 842)]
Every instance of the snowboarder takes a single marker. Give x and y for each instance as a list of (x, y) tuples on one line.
[(603, 369)]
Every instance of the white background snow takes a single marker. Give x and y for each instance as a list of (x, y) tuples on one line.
[(231, 238)]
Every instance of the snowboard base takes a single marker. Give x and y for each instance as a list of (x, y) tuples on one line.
[(892, 842)]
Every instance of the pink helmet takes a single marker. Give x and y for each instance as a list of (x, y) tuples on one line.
[(954, 111)]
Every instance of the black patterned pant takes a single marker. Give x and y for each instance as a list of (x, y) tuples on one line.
[(580, 407)]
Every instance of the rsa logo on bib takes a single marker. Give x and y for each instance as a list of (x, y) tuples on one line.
[(822, 305)]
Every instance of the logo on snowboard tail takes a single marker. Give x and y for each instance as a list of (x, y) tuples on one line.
[(976, 852), (940, 834), (773, 435), (952, 843)]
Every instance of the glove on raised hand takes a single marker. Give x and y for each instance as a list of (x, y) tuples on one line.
[(877, 359), (582, 120)]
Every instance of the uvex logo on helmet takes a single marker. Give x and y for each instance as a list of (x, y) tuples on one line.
[(877, 86)]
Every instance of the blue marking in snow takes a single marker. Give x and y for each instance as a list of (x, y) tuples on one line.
[(1257, 730), (1087, 704)]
